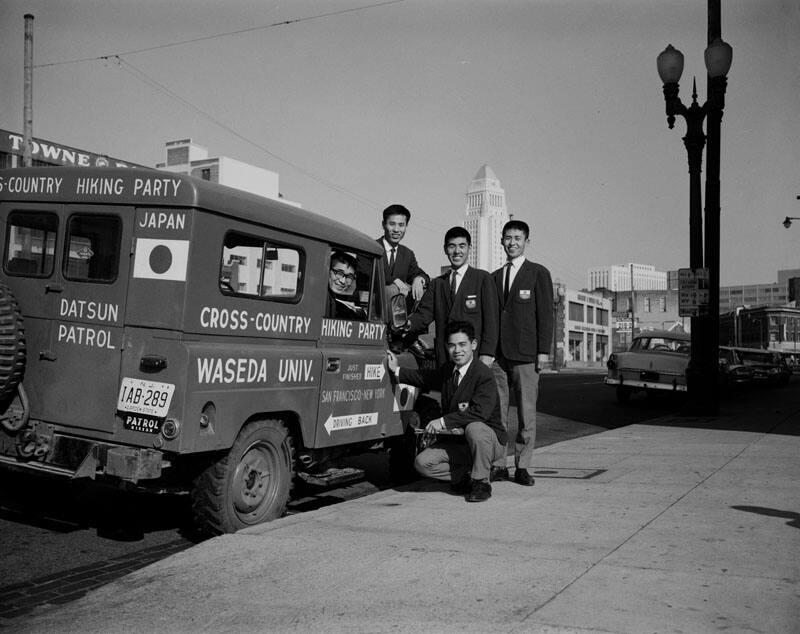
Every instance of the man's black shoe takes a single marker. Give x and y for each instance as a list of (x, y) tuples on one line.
[(464, 485), (498, 473), (481, 491), (521, 476)]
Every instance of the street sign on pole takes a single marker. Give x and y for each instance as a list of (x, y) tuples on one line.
[(693, 292)]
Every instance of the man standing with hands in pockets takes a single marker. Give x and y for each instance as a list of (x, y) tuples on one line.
[(525, 295)]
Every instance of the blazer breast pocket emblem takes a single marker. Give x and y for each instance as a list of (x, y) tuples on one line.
[(471, 302), (462, 407), (524, 293)]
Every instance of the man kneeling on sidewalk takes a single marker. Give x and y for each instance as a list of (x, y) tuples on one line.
[(472, 408)]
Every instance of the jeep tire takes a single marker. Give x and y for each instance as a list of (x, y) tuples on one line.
[(12, 345), (250, 484)]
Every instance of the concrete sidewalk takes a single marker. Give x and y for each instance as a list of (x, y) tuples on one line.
[(682, 525)]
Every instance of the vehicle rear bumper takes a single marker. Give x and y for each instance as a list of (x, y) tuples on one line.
[(646, 385), (72, 457)]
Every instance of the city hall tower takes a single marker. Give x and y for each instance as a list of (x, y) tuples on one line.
[(486, 215)]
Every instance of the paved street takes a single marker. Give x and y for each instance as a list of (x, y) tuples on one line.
[(61, 541), (680, 524)]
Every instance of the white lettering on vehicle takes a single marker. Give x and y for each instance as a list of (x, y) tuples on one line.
[(348, 396), (226, 371), (236, 319), (336, 328), (99, 186), (156, 186), (85, 336), (31, 184), (83, 309), (295, 371), (350, 421), (162, 220), (344, 329)]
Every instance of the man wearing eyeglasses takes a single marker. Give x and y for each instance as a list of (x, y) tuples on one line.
[(341, 288), (402, 273)]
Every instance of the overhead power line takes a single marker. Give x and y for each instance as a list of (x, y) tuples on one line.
[(218, 35), (143, 77)]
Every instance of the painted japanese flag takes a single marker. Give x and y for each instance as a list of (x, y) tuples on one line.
[(158, 259)]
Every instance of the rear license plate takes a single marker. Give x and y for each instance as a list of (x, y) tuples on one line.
[(147, 424), (150, 398), (649, 376)]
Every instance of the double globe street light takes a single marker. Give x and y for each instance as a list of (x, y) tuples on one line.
[(703, 369)]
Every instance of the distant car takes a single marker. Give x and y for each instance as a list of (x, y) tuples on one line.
[(769, 366), (655, 362), (732, 370), (792, 360)]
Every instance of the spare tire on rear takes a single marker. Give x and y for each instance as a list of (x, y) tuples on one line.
[(12, 345)]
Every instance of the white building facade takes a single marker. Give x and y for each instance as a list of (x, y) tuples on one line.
[(185, 157), (486, 215), (618, 277), (586, 335)]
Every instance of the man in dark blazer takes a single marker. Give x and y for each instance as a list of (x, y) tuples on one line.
[(463, 293), (402, 273), (472, 413), (525, 295)]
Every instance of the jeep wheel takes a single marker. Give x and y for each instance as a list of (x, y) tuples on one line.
[(12, 345), (248, 486)]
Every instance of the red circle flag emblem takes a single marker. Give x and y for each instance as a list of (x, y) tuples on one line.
[(161, 259)]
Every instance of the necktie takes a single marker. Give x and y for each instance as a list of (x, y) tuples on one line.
[(453, 286), (506, 284), (391, 259), (456, 377)]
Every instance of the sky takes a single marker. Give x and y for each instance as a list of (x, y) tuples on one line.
[(357, 104)]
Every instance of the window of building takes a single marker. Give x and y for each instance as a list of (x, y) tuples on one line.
[(247, 268), (92, 248), (647, 304), (575, 311), (602, 317), (30, 243), (576, 348), (590, 314), (205, 173), (662, 304)]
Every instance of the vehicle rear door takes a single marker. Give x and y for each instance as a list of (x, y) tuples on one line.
[(79, 371)]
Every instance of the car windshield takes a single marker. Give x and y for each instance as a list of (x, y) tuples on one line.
[(660, 344)]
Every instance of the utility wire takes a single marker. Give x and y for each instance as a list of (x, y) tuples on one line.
[(218, 35), (143, 77)]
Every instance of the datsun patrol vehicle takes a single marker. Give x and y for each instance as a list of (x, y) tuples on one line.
[(170, 333)]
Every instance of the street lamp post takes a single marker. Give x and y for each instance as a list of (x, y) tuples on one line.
[(558, 299), (701, 375)]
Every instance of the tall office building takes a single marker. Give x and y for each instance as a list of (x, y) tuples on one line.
[(486, 215), (618, 277)]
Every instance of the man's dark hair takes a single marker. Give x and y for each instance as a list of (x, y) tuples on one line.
[(394, 210), (457, 232), (519, 225), (454, 327), (343, 258)]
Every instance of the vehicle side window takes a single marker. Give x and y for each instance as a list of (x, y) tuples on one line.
[(30, 244), (92, 248), (353, 288), (259, 268)]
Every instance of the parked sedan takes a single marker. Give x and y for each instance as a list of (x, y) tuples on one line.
[(769, 366), (732, 370), (655, 362)]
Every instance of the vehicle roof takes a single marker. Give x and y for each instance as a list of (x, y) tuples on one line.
[(664, 334), (17, 184)]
